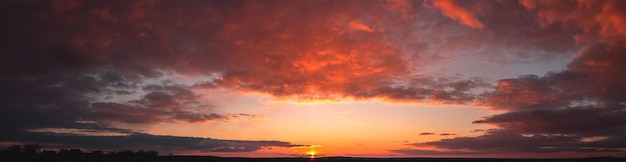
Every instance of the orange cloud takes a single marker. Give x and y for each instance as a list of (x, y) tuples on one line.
[(604, 18), (612, 20), (358, 25), (451, 9)]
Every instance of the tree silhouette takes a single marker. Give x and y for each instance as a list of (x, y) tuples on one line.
[(34, 152)]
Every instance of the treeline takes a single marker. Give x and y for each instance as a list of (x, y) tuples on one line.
[(33, 152)]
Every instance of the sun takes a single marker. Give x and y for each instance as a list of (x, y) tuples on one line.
[(311, 153)]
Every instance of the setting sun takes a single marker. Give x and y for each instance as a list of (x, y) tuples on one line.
[(311, 153)]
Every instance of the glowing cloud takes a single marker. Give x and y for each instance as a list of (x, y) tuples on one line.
[(451, 9)]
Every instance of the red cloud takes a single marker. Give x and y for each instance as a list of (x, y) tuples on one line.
[(605, 18), (451, 9)]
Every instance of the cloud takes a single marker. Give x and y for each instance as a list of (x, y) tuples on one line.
[(580, 109), (402, 7), (441, 134), (451, 9), (587, 121), (64, 99), (168, 144), (126, 113), (504, 141), (447, 154), (358, 25), (295, 50), (605, 18)]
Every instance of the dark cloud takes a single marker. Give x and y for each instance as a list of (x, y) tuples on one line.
[(169, 103), (587, 121), (431, 133), (167, 144), (431, 153), (581, 109), (44, 101), (513, 142), (128, 113)]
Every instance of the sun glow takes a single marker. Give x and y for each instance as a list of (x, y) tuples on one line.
[(311, 153)]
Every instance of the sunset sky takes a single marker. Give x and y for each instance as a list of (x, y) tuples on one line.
[(286, 78)]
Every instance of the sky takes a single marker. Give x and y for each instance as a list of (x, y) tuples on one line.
[(293, 78)]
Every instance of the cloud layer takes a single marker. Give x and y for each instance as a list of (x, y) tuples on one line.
[(95, 64), (167, 144)]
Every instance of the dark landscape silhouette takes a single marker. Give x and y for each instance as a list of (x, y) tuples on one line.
[(33, 152)]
